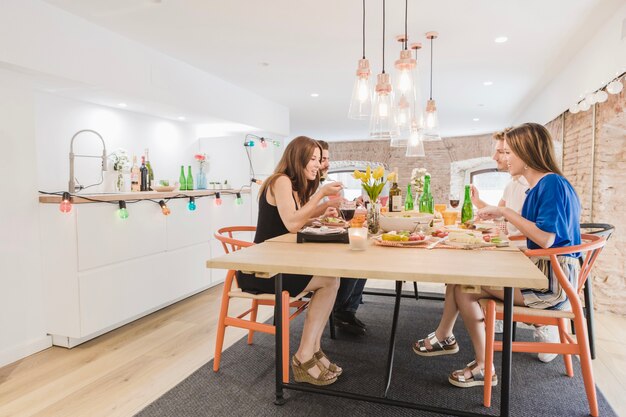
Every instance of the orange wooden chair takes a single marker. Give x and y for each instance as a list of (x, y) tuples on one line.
[(230, 243), (494, 309)]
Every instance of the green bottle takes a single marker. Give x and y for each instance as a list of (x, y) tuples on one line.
[(427, 202), (189, 179), (467, 212), (150, 171), (182, 180), (408, 201)]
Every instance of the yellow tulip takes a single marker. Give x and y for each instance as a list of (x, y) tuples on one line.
[(357, 174), (378, 173), (368, 174), (392, 177)]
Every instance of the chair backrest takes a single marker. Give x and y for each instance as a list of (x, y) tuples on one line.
[(599, 229), (590, 248), (229, 242)]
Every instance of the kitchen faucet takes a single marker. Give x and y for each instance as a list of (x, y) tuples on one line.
[(72, 183)]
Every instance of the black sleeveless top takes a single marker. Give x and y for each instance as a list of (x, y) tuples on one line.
[(269, 224)]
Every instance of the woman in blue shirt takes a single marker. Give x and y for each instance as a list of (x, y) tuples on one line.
[(549, 219)]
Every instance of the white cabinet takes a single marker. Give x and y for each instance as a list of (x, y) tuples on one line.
[(102, 272)]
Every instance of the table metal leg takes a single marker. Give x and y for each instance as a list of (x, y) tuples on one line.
[(278, 342), (507, 338), (589, 316), (392, 338)]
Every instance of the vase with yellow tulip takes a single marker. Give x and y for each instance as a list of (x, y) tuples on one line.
[(373, 182)]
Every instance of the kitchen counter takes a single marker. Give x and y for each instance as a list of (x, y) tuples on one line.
[(141, 195)]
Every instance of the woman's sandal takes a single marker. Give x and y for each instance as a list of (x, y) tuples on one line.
[(448, 346), (301, 374), (332, 367), (458, 379)]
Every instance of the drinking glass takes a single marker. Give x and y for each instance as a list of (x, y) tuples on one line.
[(454, 200), (347, 209), (358, 238)]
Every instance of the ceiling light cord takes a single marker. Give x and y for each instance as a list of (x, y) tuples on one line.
[(383, 36), (363, 29), (406, 13), (431, 68)]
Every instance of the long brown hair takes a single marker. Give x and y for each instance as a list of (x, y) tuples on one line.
[(292, 164), (532, 143)]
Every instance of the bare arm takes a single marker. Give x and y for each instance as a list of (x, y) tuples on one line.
[(475, 196), (293, 218), (526, 227)]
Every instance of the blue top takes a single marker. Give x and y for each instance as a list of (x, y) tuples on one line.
[(553, 205)]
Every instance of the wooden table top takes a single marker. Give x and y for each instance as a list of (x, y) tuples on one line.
[(494, 268)]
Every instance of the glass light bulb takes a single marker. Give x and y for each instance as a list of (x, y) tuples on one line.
[(239, 201), (431, 120), (218, 201), (65, 206), (363, 89), (405, 82), (383, 109), (123, 213), (191, 206), (615, 87), (263, 144)]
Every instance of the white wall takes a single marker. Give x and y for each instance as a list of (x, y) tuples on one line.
[(50, 41), (22, 325), (597, 62)]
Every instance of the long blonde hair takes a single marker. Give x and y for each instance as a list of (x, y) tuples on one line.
[(532, 143), (293, 164)]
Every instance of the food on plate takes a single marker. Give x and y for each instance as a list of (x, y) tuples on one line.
[(336, 220), (394, 237), (468, 225), (440, 233), (415, 237), (463, 237)]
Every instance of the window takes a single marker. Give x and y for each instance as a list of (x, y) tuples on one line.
[(352, 186), (490, 183)]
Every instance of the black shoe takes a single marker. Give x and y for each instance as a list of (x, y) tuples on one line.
[(346, 321)]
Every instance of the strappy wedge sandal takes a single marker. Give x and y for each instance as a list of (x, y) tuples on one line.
[(300, 372), (333, 367), (458, 379), (448, 346)]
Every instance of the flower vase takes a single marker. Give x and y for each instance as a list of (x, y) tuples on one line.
[(201, 180), (373, 218), (119, 183)]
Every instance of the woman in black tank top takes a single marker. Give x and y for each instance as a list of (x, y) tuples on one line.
[(287, 200)]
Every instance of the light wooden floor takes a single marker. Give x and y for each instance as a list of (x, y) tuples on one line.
[(121, 372)]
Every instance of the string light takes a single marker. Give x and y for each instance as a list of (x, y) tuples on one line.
[(238, 200), (66, 203), (256, 181), (122, 211), (192, 204), (263, 143), (218, 199), (164, 209)]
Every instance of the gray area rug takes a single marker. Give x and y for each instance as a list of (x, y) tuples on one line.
[(244, 385)]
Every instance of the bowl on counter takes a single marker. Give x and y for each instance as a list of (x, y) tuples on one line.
[(164, 186), (405, 220)]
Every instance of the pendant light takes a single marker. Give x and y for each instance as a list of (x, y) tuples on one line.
[(431, 122), (404, 88), (382, 125), (415, 145), (361, 102)]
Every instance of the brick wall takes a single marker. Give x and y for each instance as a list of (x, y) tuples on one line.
[(439, 155), (603, 194)]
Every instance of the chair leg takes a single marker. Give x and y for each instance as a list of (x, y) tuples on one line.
[(253, 313), (285, 341), (587, 291), (221, 330), (585, 364), (490, 327), (417, 294), (331, 323), (514, 329), (567, 359)]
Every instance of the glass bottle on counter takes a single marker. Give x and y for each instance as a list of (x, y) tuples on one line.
[(467, 211), (135, 176), (182, 180), (408, 201), (395, 195), (150, 172), (189, 186), (427, 202), (144, 177)]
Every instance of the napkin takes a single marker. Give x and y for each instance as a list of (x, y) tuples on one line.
[(322, 230)]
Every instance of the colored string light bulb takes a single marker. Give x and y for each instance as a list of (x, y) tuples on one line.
[(122, 211), (276, 143), (218, 199), (249, 143), (66, 203), (263, 143), (166, 211), (256, 181), (238, 200), (192, 204)]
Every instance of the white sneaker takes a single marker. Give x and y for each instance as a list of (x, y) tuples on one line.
[(499, 326), (546, 334)]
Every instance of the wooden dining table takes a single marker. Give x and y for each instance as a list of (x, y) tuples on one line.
[(501, 268)]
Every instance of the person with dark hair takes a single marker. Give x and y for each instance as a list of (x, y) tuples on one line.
[(325, 162), (287, 200), (549, 219)]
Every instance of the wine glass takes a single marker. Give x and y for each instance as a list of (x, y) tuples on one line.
[(347, 209), (454, 200)]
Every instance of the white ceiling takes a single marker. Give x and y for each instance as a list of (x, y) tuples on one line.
[(313, 47)]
